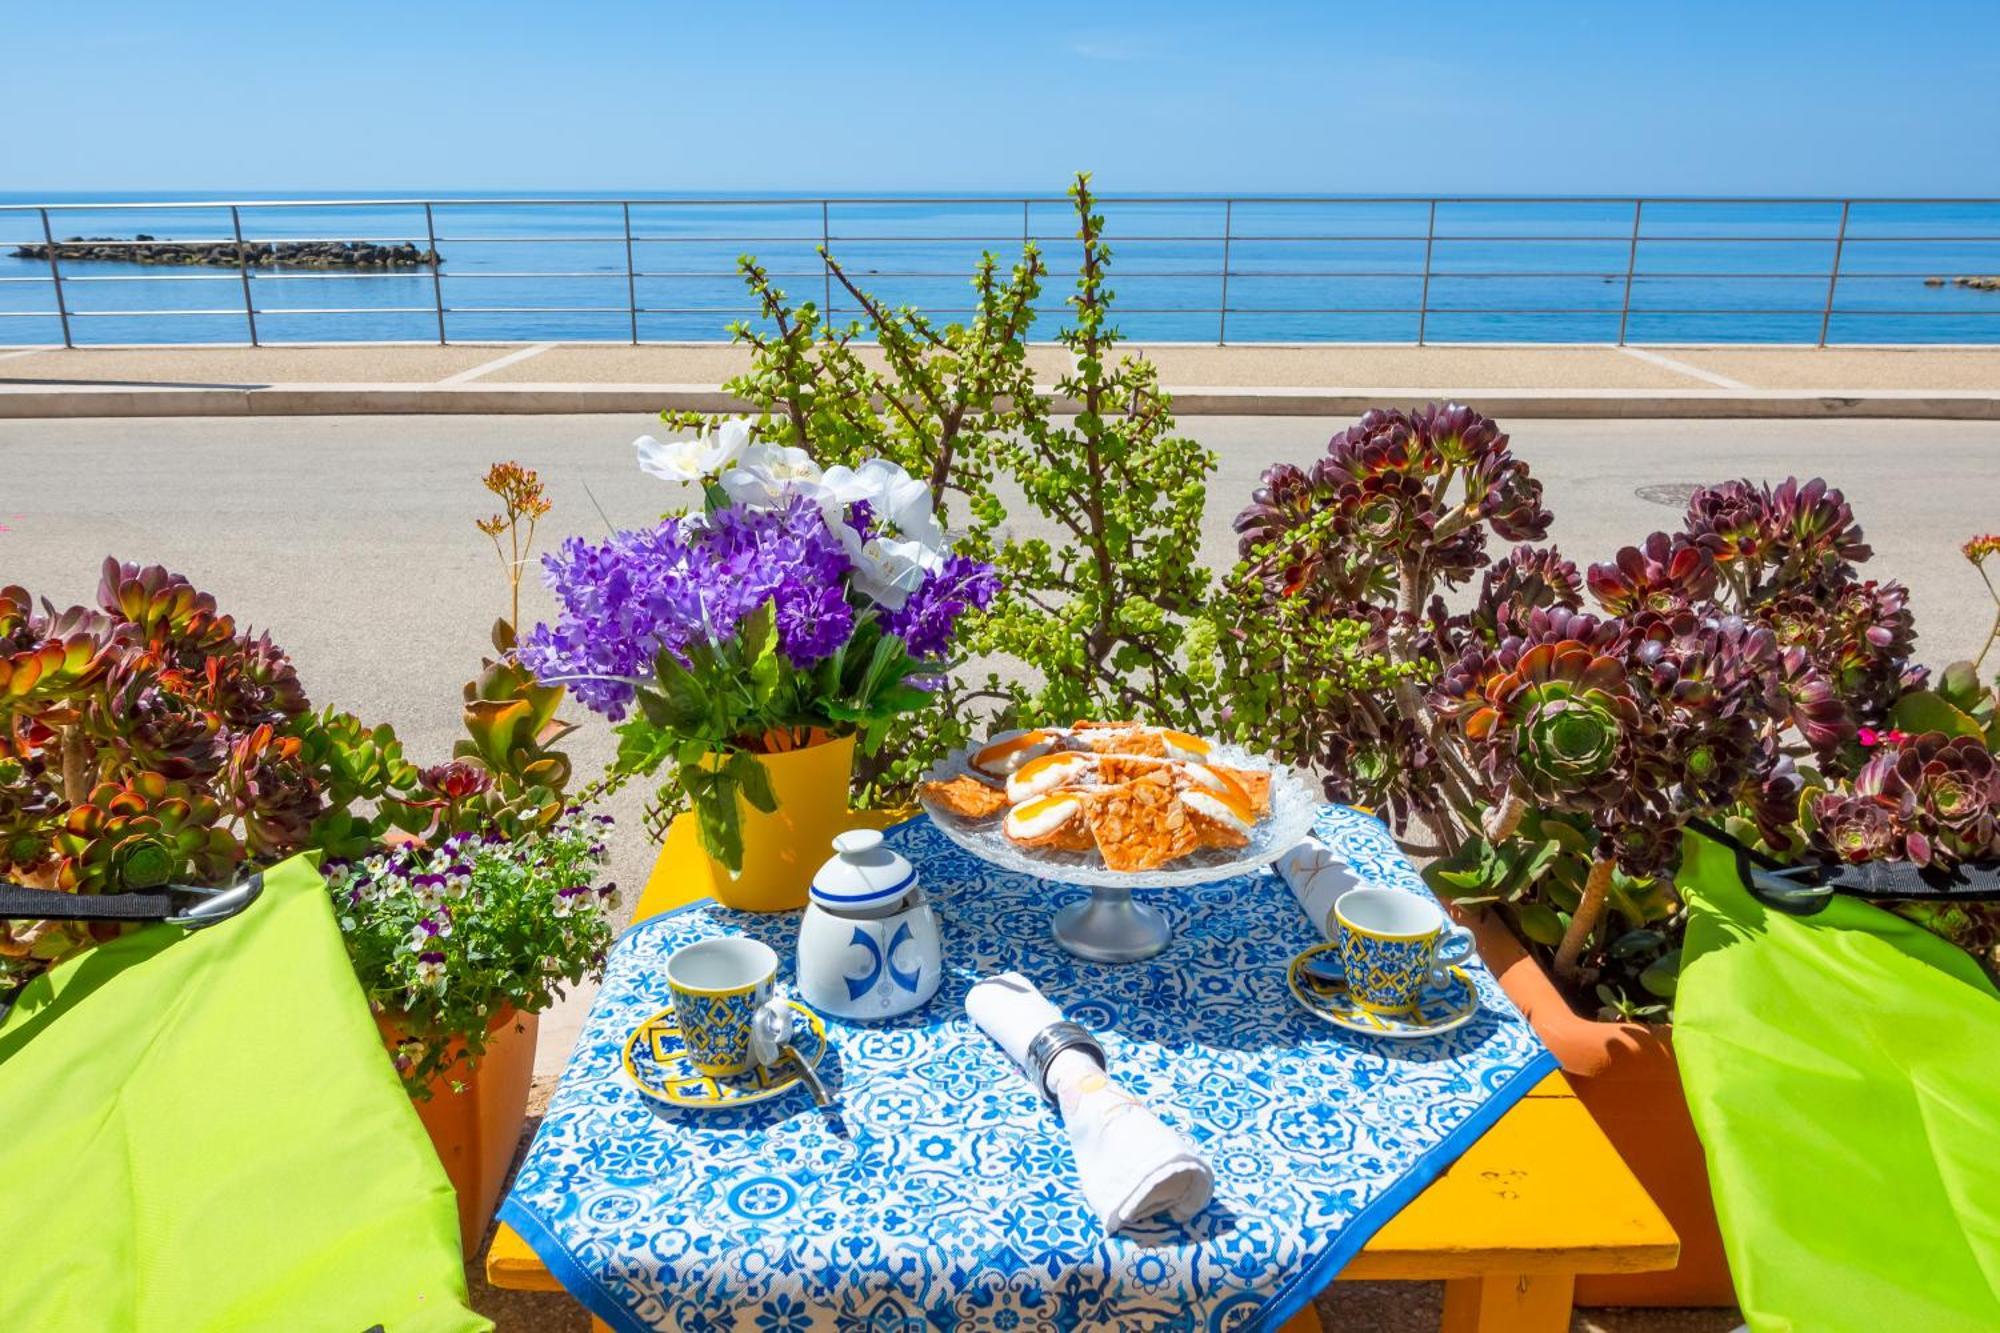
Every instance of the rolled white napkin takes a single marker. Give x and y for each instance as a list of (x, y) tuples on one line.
[(1132, 1166), (1317, 878)]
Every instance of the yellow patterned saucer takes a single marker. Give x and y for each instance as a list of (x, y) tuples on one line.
[(1439, 1009), (657, 1063)]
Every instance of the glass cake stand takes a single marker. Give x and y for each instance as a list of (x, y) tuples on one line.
[(1111, 926)]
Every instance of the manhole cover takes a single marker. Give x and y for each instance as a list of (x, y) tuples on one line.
[(1673, 494)]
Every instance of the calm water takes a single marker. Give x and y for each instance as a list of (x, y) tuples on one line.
[(1320, 270)]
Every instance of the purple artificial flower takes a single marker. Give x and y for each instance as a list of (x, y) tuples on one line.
[(926, 620), (689, 578)]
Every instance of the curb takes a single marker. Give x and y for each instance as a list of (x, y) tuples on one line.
[(235, 400)]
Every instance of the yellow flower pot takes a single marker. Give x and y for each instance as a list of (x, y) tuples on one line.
[(781, 850)]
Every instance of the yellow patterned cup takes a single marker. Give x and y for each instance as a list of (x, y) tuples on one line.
[(1393, 944), (718, 985)]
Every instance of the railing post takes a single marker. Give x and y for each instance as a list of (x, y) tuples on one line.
[(1631, 262), (243, 273), (826, 263), (1833, 277), (55, 276), (1222, 306), (631, 278), (437, 283), (1424, 296)]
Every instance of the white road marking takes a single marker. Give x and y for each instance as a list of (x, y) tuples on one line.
[(513, 357), (1683, 368), (26, 351)]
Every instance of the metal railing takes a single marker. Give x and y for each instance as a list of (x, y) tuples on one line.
[(1667, 223)]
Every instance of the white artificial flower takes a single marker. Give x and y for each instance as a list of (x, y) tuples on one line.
[(894, 498), (886, 569), (908, 545), (770, 474), (693, 460)]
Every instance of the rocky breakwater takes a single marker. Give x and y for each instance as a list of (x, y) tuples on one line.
[(144, 249), (1977, 282)]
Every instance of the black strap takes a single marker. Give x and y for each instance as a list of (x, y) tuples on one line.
[(180, 904), (21, 903), (1804, 889)]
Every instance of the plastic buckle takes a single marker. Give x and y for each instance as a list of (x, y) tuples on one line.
[(212, 905)]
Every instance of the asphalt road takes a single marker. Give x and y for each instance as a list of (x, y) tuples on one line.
[(351, 538)]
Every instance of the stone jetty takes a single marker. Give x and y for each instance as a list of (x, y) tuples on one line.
[(144, 249), (1977, 282)]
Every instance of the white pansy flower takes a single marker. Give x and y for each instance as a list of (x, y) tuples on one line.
[(769, 474), (696, 459)]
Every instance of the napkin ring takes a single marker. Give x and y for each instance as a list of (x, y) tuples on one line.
[(1052, 1041)]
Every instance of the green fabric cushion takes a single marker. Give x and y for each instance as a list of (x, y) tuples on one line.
[(1844, 1074), (201, 1132)]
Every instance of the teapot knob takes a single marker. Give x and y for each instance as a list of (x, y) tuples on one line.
[(858, 842)]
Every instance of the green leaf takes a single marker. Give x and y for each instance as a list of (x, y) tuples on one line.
[(752, 779), (1466, 870), (1540, 923), (1664, 976), (714, 799), (1922, 710), (1959, 686), (643, 747), (675, 700)]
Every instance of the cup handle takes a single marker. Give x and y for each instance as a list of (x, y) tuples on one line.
[(770, 1029), (1454, 946)]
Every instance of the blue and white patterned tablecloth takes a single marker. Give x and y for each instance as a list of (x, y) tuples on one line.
[(951, 1201)]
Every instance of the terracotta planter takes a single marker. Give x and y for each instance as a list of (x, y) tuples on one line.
[(781, 850), (477, 1129), (1625, 1074)]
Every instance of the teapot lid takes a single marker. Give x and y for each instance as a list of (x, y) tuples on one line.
[(865, 873)]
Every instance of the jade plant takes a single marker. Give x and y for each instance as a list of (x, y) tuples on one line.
[(1108, 618), (1546, 755)]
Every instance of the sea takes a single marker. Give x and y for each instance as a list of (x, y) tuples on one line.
[(1196, 269)]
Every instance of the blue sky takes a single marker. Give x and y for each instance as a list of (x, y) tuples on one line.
[(1612, 96)]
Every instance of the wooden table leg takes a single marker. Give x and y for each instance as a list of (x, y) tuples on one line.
[(1502, 1304)]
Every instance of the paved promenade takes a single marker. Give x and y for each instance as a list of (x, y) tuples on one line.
[(1286, 380)]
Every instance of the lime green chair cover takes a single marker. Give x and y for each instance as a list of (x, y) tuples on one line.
[(199, 1131), (1844, 1074)]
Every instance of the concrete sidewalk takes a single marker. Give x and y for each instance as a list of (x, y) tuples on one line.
[(1512, 381)]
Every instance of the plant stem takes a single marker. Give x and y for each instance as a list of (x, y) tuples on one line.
[(1993, 633), (75, 765), (1584, 920)]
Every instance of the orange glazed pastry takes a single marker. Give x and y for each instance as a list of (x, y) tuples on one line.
[(1113, 769), (1256, 784), (1039, 777), (1221, 818), (1003, 757), (1141, 825), (1057, 822), (967, 797), (1126, 740)]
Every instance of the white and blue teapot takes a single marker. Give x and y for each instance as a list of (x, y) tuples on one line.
[(868, 943)]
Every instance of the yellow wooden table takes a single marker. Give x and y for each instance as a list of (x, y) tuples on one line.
[(1540, 1198)]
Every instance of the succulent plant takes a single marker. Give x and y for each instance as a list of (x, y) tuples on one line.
[(1663, 574), (147, 719), (1811, 530), (48, 659), (169, 613), (1731, 518), (273, 791), (142, 833), (1527, 579)]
